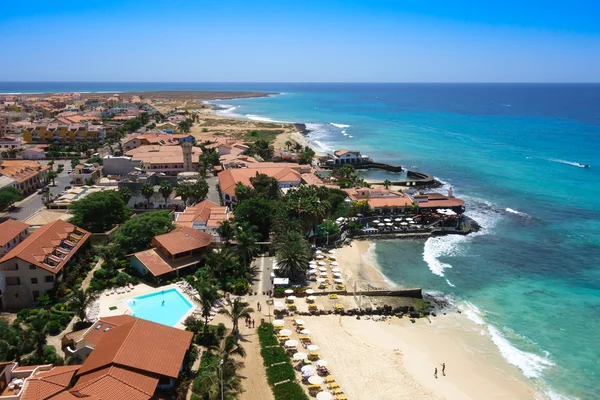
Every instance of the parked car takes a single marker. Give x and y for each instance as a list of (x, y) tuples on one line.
[(68, 187)]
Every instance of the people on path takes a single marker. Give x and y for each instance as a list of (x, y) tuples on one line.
[(435, 373), (444, 369), (252, 323)]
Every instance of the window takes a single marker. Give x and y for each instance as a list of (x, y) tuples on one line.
[(98, 327), (36, 294), (49, 279), (34, 281), (107, 328), (16, 266), (31, 266)]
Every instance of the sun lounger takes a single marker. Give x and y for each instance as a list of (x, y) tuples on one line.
[(313, 356), (338, 391), (304, 339), (334, 385), (329, 379), (341, 397), (333, 296)]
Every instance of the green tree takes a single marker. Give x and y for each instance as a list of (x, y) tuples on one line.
[(227, 231), (347, 177), (137, 233), (236, 310), (246, 236), (81, 300), (185, 125), (184, 191), (223, 264), (265, 186), (199, 190), (99, 211), (307, 155), (208, 296), (288, 144), (51, 164), (165, 190), (243, 192), (8, 196), (52, 175), (258, 212), (387, 183), (60, 168), (126, 194), (261, 148), (147, 190), (414, 209), (14, 341), (38, 329), (293, 255), (75, 162)]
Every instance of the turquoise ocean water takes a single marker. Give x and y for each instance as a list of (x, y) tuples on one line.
[(531, 277)]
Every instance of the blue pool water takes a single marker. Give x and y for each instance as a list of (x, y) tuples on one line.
[(151, 307)]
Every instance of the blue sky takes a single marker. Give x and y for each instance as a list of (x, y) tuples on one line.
[(301, 41)]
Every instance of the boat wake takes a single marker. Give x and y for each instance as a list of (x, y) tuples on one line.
[(566, 162), (341, 126)]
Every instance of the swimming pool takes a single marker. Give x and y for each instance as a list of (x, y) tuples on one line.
[(165, 307)]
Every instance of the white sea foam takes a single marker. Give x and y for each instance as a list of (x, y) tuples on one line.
[(350, 136), (322, 147), (259, 118), (344, 131), (440, 246), (531, 365), (522, 214), (341, 126)]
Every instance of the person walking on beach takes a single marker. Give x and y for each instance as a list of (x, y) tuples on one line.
[(252, 323), (444, 369), (435, 373)]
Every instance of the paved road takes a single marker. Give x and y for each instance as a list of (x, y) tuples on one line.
[(34, 202), (263, 282), (213, 193)]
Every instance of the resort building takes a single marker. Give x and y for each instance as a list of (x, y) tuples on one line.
[(342, 157), (120, 165), (380, 199), (157, 139), (227, 146), (285, 176), (63, 133), (16, 128), (35, 265), (169, 160), (34, 382), (432, 202), (6, 118), (205, 216), (11, 234), (5, 181), (29, 175), (181, 248), (34, 153), (86, 173), (10, 143)]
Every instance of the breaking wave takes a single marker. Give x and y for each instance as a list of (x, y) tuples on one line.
[(341, 126)]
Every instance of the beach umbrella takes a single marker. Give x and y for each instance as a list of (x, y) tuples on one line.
[(332, 257), (288, 291), (376, 221), (322, 363), (338, 281), (312, 262), (315, 380), (398, 219), (409, 219), (312, 347), (278, 322), (311, 298), (291, 343), (308, 370), (404, 223), (324, 396), (334, 263), (322, 263), (322, 269), (312, 271), (323, 274), (285, 332), (320, 280), (412, 222), (387, 220), (337, 274), (299, 322), (318, 251), (320, 257), (309, 291), (300, 356), (382, 224), (305, 331), (335, 270), (389, 224), (291, 298), (278, 304), (331, 251)]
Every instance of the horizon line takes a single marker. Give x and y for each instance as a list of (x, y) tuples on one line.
[(326, 82)]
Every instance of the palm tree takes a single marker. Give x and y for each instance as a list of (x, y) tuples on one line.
[(165, 190), (81, 300), (227, 350), (387, 183), (126, 194), (208, 296), (147, 190), (293, 255), (237, 310), (199, 190), (52, 175), (222, 263), (226, 231), (246, 236), (38, 331), (289, 144), (184, 191)]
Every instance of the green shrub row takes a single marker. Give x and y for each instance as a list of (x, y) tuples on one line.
[(278, 373)]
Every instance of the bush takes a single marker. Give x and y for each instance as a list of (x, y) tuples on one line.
[(289, 391), (241, 286), (54, 327), (221, 330), (273, 355)]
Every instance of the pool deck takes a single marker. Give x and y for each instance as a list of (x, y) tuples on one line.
[(118, 300)]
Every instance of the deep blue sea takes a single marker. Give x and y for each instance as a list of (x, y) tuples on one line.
[(531, 276)]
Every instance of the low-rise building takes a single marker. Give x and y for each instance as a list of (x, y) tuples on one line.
[(16, 128), (10, 143), (34, 382), (6, 181), (285, 176), (63, 133), (158, 139), (6, 118), (205, 216), (34, 152), (169, 160), (35, 265), (380, 199), (120, 165), (30, 175), (342, 157), (86, 173), (182, 248), (11, 234)]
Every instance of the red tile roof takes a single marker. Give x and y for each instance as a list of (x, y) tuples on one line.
[(206, 211), (116, 383), (141, 345), (40, 244), (229, 178), (10, 229), (182, 239), (46, 384), (97, 331)]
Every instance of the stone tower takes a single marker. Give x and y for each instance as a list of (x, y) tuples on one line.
[(187, 156)]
